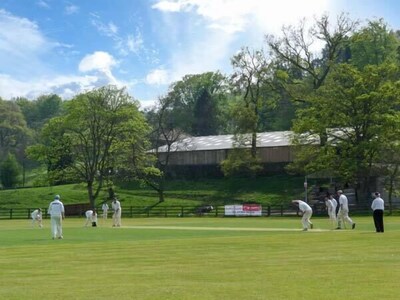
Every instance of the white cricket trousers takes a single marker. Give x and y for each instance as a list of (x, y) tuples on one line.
[(343, 216), (56, 226), (332, 215), (117, 218), (305, 220)]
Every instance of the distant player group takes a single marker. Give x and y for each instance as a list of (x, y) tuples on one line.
[(339, 219), (342, 216), (57, 214)]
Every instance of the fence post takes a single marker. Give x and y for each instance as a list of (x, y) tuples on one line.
[(29, 213), (165, 212), (131, 211), (181, 211), (281, 210), (269, 211), (148, 213), (11, 213)]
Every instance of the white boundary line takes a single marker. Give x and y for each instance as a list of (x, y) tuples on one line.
[(221, 228)]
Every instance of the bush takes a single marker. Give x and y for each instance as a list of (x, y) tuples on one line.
[(241, 163), (9, 172)]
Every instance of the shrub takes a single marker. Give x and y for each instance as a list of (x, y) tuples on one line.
[(9, 171)]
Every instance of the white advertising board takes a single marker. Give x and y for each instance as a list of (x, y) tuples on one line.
[(244, 210)]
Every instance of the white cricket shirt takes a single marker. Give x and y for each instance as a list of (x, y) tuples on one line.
[(378, 203), (56, 208), (344, 202)]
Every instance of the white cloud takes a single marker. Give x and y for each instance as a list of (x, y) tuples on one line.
[(237, 15), (22, 46), (99, 60), (109, 29), (19, 35), (71, 9), (130, 43), (26, 73), (228, 25), (64, 86), (98, 66), (43, 4), (134, 43), (169, 6), (157, 77)]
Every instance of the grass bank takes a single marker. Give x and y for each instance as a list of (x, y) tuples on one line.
[(265, 190)]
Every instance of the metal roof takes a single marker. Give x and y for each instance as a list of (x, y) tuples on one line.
[(220, 142)]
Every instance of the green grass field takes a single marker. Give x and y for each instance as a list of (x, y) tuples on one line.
[(200, 258)]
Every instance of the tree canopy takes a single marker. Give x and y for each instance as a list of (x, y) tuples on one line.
[(92, 132)]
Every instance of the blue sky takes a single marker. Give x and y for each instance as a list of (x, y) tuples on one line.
[(66, 47)]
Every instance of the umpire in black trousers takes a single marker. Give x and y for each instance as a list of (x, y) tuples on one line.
[(378, 206)]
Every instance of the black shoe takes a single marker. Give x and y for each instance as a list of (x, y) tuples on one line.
[(353, 226)]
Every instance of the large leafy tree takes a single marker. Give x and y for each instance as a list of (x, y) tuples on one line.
[(295, 50), (307, 68), (373, 44), (166, 130), (190, 97), (38, 112), (54, 151), (252, 82), (94, 128), (9, 171), (14, 133), (355, 108), (333, 97)]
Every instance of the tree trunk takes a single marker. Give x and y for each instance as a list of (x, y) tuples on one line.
[(390, 195), (254, 145), (161, 190), (91, 196), (392, 178), (23, 173), (160, 196)]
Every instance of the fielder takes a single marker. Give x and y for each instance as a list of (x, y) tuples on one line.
[(91, 217), (36, 215), (331, 208), (57, 214), (104, 207), (116, 206), (343, 214), (334, 203), (307, 213)]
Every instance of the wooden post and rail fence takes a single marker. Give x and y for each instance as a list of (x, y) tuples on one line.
[(175, 211)]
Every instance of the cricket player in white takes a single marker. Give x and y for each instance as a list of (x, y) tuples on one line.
[(104, 207), (334, 205), (57, 214), (343, 214), (116, 206), (331, 210), (36, 215), (307, 213), (91, 217)]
